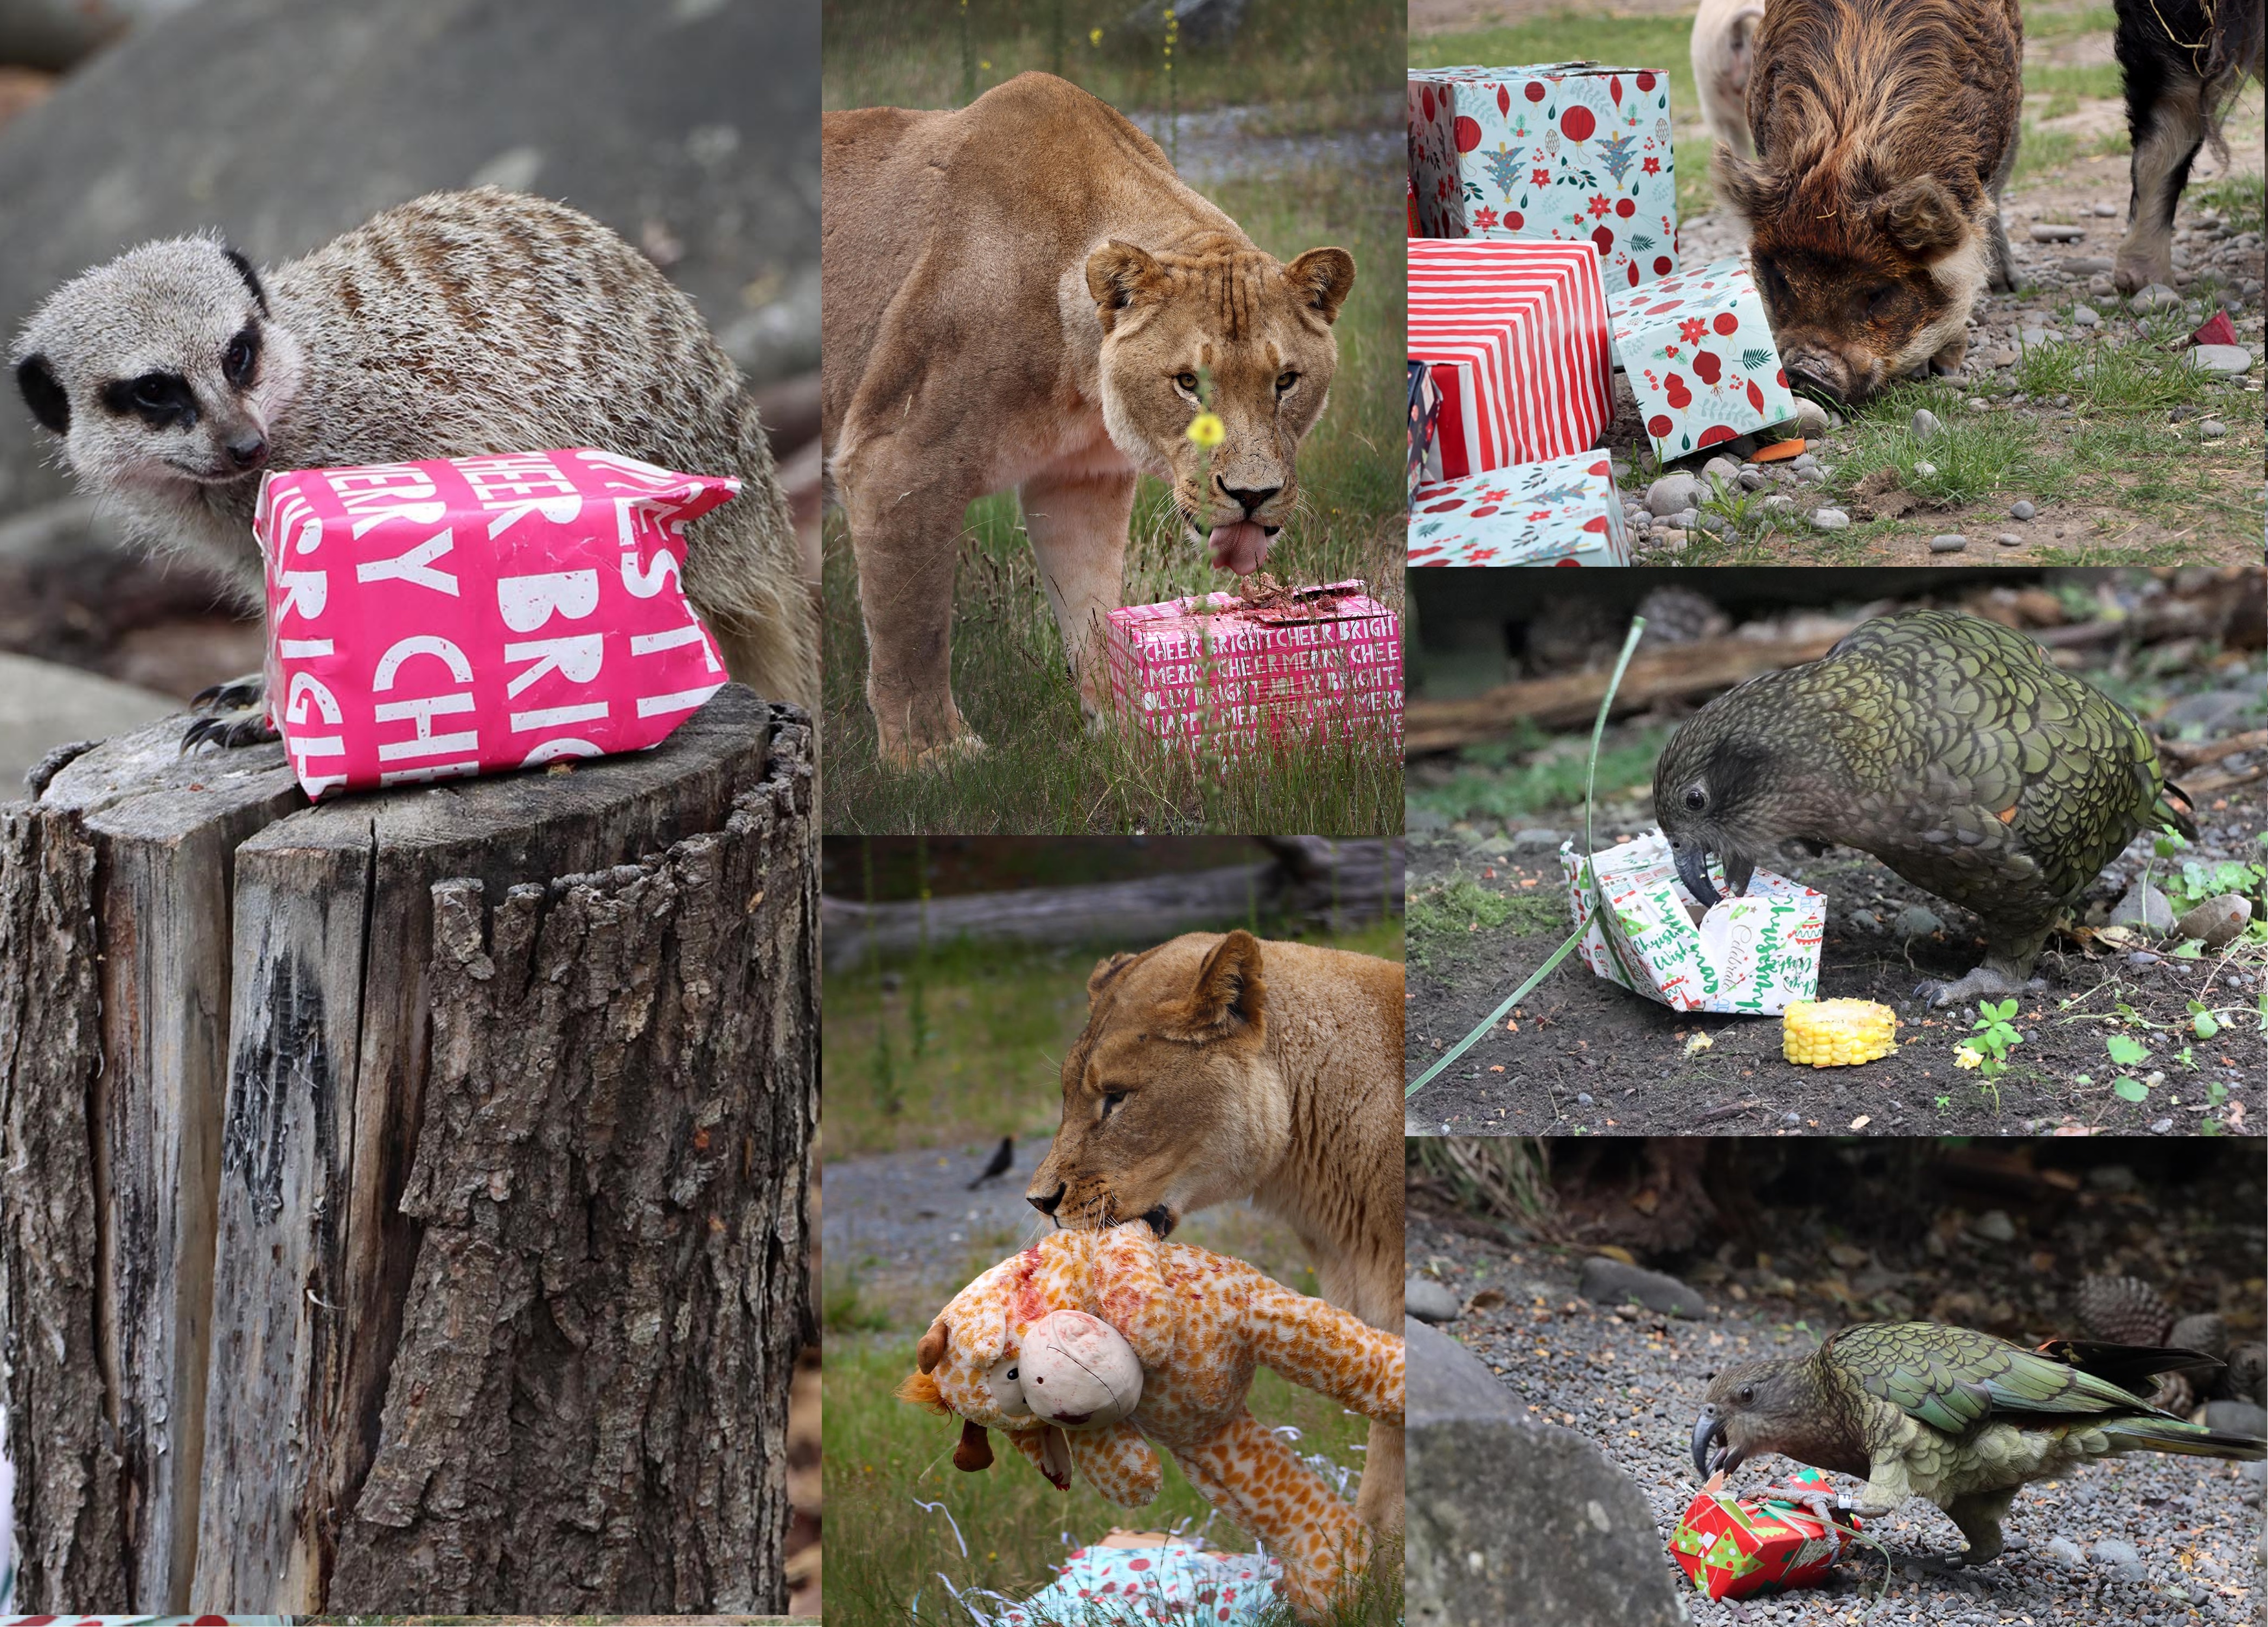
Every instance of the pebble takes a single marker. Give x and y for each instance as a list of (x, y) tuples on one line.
[(2086, 316), (2120, 1559), (1805, 461), (2145, 906), (2213, 429), (1583, 1099), (1686, 520), (2159, 1127), (1720, 468), (2108, 211), (1429, 1301), (1536, 839), (2066, 1552), (1951, 542), (1778, 502), (1811, 417), (1994, 1226), (2022, 509), (2156, 296), (1754, 479), (2034, 337), (2009, 539), (1672, 538), (1918, 921), (1924, 469), (2221, 358), (1830, 519), (2217, 921), (2087, 266), (1619, 469), (1671, 494), (2048, 232), (1926, 423)]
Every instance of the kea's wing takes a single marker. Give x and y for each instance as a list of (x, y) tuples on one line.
[(1952, 1378)]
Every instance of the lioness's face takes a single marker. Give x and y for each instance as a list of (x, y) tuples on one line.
[(1259, 332), (1170, 1101)]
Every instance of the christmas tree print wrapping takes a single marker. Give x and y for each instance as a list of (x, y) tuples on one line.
[(1520, 331), (1700, 359), (1751, 954), (1565, 511), (1570, 152), (1731, 1547)]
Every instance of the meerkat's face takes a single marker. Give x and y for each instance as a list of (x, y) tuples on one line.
[(162, 370)]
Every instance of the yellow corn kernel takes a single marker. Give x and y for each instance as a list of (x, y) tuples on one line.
[(1838, 1034)]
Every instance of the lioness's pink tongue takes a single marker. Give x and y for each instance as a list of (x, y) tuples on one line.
[(1239, 548)]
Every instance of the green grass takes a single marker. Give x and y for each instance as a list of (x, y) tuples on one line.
[(2099, 82), (1509, 781), (2047, 24), (883, 1456), (938, 54), (1044, 772), (2242, 199), (1982, 455), (967, 1046), (1443, 918)]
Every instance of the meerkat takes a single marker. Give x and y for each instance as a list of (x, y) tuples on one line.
[(458, 324)]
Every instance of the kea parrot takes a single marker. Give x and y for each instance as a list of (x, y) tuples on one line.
[(1945, 745), (1960, 1417)]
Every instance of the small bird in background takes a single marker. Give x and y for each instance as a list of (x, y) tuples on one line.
[(1003, 1158)]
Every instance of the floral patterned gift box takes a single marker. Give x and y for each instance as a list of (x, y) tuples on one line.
[(1565, 511), (1751, 954), (1700, 358), (1731, 1547), (1568, 151)]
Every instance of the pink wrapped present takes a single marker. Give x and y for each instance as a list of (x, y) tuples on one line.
[(432, 621), (1526, 326), (1563, 512), (1218, 671)]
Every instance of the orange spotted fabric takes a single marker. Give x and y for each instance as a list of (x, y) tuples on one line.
[(1200, 1323)]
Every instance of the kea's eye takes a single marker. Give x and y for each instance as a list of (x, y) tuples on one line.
[(1187, 381), (1747, 1394), (1695, 798), (1110, 1100), (238, 360), (1285, 380)]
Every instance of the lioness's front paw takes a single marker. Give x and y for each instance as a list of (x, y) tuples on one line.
[(944, 754)]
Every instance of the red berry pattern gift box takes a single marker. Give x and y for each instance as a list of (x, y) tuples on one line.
[(1566, 152), (1565, 511), (1516, 336), (1699, 356)]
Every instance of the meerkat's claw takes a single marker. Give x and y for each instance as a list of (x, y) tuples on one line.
[(234, 694), (229, 730)]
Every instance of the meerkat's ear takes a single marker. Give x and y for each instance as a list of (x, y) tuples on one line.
[(45, 394), (1322, 277), (974, 1451), (1118, 275), (251, 277)]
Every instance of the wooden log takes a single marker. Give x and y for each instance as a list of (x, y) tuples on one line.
[(608, 1215)]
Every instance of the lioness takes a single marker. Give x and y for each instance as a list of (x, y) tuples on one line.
[(1217, 1068), (1023, 294)]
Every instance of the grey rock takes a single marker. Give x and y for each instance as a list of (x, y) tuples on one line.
[(1951, 542), (1918, 921), (2009, 539), (1830, 519), (1429, 1301), (2156, 296), (1423, 822), (2087, 265), (1994, 1226), (1924, 468), (1754, 480), (1534, 838), (1779, 503), (2145, 906), (2109, 211), (2066, 1552), (2048, 232), (1810, 417), (1804, 462), (2220, 358), (2159, 1127), (2112, 1178), (2120, 1559), (1720, 468), (1585, 1550), (2211, 429), (1610, 1282), (2217, 921), (2102, 287), (2034, 337), (1926, 423), (2086, 316), (2238, 1418), (2205, 1333), (1620, 470), (2022, 509), (1583, 1099), (1672, 494)]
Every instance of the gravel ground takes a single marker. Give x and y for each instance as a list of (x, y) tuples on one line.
[(1632, 1382), (1248, 143)]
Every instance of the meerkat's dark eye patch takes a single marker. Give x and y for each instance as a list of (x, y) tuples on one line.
[(251, 278), (241, 359), (160, 399), (49, 402)]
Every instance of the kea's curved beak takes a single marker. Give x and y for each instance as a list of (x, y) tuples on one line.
[(1709, 1431), (1693, 870)]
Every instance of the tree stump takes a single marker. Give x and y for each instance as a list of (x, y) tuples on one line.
[(403, 1200)]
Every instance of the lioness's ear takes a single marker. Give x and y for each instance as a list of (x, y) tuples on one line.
[(974, 1451), (1106, 973), (931, 1350), (1920, 215), (1321, 278), (1119, 274), (1229, 993)]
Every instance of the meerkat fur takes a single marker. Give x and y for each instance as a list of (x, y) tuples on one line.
[(459, 324)]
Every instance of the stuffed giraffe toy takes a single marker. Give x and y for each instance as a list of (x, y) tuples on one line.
[(1198, 1324)]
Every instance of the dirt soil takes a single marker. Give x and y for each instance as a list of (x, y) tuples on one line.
[(1580, 1055)]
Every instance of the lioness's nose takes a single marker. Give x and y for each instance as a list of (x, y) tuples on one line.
[(1045, 1203), (1251, 497)]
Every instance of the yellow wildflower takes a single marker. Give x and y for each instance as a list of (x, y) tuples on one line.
[(1206, 429), (1968, 1057)]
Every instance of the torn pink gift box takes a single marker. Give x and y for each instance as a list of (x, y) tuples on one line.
[(469, 615), (1218, 671)]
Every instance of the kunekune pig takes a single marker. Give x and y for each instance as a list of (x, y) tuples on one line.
[(1884, 131)]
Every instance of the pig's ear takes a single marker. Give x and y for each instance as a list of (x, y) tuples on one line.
[(1748, 189), (1920, 217)]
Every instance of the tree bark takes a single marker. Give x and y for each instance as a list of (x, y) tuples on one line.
[(539, 1358)]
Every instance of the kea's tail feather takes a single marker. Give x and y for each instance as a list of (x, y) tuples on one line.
[(2164, 1434), (2132, 1367)]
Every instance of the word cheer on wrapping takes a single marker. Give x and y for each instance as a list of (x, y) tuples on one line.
[(469, 615)]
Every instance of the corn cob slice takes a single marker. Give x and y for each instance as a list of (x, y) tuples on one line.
[(1838, 1034)]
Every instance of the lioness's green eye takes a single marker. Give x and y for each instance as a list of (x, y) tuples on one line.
[(1285, 381), (1188, 381)]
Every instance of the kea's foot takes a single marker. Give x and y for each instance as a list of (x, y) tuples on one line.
[(1982, 984), (235, 713)]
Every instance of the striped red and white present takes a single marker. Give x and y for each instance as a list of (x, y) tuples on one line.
[(1528, 321)]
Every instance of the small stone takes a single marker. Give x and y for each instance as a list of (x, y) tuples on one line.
[(1926, 423), (1671, 494), (1778, 502), (2009, 539), (2086, 316), (1687, 519), (2221, 358), (1536, 839), (1429, 1301), (2119, 1558), (1951, 542), (1583, 1099), (1830, 519), (2022, 509), (1811, 417), (2107, 212), (2156, 296), (1715, 525), (2159, 1127), (2211, 429), (1754, 479), (2145, 906), (1994, 1226), (1619, 469), (1671, 538), (2066, 1552), (2034, 337), (1720, 468), (2085, 266), (1918, 921), (2217, 921), (1924, 469), (1805, 461), (2102, 287), (2048, 232), (1610, 1282)]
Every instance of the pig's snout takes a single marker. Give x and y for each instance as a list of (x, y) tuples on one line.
[(1815, 369)]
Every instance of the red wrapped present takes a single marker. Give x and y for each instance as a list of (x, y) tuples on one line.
[(1525, 324), (1228, 673), (1734, 1546)]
